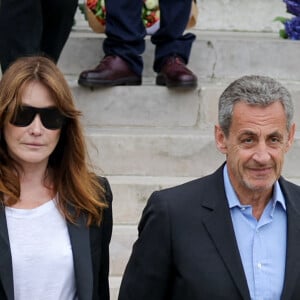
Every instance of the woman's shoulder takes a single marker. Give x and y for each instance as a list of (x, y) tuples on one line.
[(103, 180), (106, 186)]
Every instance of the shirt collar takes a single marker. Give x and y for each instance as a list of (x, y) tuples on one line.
[(233, 200)]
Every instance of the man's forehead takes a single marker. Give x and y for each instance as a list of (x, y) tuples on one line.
[(244, 109), (260, 132), (259, 120)]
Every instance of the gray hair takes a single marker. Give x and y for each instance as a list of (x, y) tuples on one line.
[(253, 90)]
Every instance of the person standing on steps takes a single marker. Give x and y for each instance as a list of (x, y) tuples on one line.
[(125, 43), (234, 234), (34, 27)]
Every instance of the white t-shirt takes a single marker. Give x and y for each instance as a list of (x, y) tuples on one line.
[(42, 258)]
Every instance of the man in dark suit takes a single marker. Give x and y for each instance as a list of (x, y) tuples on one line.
[(34, 27), (234, 234), (124, 45)]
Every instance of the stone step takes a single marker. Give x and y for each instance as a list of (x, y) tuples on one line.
[(231, 15), (151, 131), (130, 194), (214, 54), (150, 106), (240, 15), (142, 153), (121, 244), (187, 154)]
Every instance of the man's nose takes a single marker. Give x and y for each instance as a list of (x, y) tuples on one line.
[(261, 153)]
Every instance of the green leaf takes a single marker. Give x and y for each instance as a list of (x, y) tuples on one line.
[(283, 34), (98, 6), (281, 19), (99, 13)]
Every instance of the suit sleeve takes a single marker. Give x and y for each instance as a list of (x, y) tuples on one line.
[(148, 272), (107, 223)]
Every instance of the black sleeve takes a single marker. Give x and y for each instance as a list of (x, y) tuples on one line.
[(107, 223), (148, 272)]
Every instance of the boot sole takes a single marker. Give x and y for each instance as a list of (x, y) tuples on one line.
[(171, 84), (109, 83)]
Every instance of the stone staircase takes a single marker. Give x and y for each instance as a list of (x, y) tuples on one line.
[(145, 138)]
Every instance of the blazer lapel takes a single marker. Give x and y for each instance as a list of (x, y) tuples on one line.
[(80, 241), (292, 269), (6, 274), (219, 225)]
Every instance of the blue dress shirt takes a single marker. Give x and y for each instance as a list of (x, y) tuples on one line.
[(261, 243)]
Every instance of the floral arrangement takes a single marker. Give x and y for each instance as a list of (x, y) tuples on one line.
[(291, 25), (150, 13), (98, 9)]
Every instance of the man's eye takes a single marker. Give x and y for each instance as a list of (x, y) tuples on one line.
[(275, 140), (247, 140)]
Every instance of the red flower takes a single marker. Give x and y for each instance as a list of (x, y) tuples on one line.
[(92, 4)]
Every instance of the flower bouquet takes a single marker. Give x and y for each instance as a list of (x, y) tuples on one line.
[(151, 15), (291, 25), (95, 13)]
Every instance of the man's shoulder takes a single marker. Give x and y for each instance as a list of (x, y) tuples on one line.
[(289, 186), (291, 192)]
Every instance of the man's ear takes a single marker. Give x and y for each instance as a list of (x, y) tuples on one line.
[(220, 139), (291, 137)]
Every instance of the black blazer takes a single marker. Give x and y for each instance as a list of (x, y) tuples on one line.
[(187, 247), (90, 246)]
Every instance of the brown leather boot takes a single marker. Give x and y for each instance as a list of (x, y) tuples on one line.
[(112, 70), (174, 73)]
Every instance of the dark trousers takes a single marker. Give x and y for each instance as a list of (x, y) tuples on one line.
[(125, 32), (29, 27)]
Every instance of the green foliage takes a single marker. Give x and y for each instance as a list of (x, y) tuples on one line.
[(281, 19), (283, 34)]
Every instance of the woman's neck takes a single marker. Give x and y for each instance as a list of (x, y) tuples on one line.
[(36, 188)]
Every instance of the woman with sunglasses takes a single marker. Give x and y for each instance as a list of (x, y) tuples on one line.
[(55, 217)]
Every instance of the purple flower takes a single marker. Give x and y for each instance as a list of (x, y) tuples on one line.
[(293, 7), (292, 28)]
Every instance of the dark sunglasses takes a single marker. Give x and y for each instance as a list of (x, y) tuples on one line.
[(51, 117)]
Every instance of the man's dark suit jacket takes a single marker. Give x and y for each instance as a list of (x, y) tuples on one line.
[(90, 246), (187, 249)]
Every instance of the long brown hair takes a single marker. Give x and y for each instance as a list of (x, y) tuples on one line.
[(78, 188)]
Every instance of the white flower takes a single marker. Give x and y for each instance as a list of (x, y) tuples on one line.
[(151, 4)]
